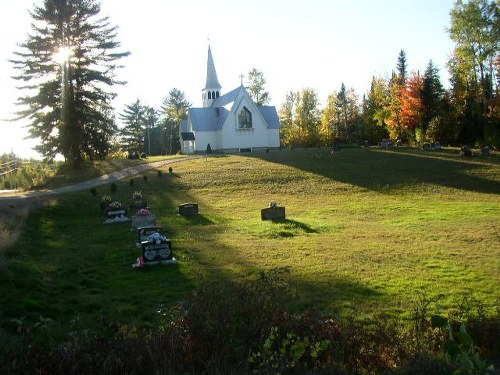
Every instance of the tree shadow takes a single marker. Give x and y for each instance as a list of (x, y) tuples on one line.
[(389, 170)]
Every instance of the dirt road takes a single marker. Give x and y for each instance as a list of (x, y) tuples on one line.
[(105, 179)]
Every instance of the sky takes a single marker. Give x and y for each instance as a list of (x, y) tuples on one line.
[(296, 44)]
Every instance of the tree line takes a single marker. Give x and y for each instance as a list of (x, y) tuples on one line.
[(68, 99), (410, 106)]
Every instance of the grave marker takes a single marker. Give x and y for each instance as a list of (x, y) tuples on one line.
[(188, 209)]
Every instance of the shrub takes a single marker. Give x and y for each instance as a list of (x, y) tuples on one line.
[(131, 182), (145, 178), (93, 191), (144, 156), (170, 170), (160, 173), (113, 187), (209, 149)]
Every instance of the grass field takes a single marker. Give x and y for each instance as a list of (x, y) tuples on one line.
[(366, 231)]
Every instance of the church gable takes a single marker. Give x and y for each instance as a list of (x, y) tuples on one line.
[(228, 122)]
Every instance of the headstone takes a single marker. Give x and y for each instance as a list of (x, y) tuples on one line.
[(144, 232), (273, 213), (139, 221), (437, 146), (116, 215), (157, 249), (485, 151), (465, 151), (188, 209), (386, 144), (426, 147), (139, 203)]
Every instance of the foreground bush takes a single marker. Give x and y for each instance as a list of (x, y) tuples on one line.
[(239, 328)]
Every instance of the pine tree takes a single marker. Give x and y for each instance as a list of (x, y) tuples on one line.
[(68, 103), (432, 95), (133, 134)]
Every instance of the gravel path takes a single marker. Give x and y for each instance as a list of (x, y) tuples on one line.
[(105, 179)]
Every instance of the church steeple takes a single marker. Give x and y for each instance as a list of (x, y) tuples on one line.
[(212, 86)]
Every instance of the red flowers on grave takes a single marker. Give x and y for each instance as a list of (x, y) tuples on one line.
[(143, 212)]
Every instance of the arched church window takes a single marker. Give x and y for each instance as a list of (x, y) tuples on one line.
[(245, 119), (209, 95), (216, 94), (213, 94)]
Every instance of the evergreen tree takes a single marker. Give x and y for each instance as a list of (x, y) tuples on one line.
[(174, 109), (150, 119), (347, 115), (402, 67), (255, 87), (133, 134), (68, 103), (432, 94)]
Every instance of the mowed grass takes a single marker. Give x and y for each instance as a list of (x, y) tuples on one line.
[(366, 231)]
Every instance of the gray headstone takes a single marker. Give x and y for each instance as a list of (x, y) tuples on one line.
[(139, 221), (273, 213)]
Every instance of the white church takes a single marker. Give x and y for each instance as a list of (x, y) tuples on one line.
[(228, 123)]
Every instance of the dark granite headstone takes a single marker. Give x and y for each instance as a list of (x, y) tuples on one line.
[(188, 209), (154, 252), (114, 213), (273, 213)]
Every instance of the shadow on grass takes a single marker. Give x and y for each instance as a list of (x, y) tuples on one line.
[(198, 220), (390, 170), (294, 224), (339, 295)]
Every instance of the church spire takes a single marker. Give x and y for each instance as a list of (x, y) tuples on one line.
[(212, 85)]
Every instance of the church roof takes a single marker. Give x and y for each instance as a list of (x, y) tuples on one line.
[(227, 98), (212, 81), (212, 118), (207, 119), (270, 115)]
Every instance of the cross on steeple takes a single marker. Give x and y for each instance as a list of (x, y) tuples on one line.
[(241, 78)]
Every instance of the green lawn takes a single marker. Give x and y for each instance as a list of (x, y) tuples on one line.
[(366, 230)]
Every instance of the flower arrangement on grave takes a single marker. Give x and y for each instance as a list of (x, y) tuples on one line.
[(105, 201), (138, 200), (273, 204), (156, 237), (115, 205), (143, 212)]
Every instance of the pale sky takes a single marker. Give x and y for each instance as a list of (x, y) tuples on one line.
[(297, 44)]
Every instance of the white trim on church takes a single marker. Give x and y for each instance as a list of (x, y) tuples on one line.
[(228, 123)]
